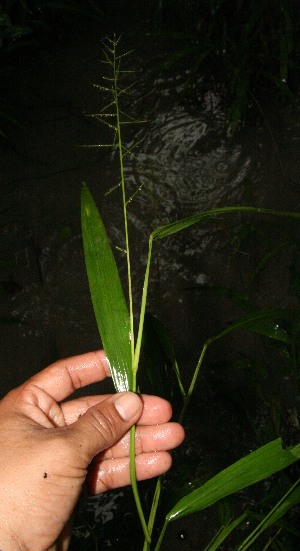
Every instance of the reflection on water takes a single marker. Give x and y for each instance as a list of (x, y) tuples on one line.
[(183, 164)]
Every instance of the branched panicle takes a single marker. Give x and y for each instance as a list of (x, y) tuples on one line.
[(268, 459), (111, 114)]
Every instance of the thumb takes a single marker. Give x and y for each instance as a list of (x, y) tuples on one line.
[(102, 425)]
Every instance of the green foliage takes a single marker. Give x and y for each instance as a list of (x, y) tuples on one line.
[(247, 471), (289, 500), (107, 294), (116, 327), (256, 466)]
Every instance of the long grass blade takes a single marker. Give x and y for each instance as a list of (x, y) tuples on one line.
[(256, 466), (107, 295), (264, 322), (184, 223), (174, 227), (224, 532), (289, 500)]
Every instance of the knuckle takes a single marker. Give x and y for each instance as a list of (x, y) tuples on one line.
[(105, 482), (100, 480), (106, 425), (27, 392)]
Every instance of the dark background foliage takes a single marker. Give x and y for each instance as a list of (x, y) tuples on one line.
[(249, 49)]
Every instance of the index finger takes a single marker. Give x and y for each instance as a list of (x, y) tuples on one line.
[(63, 377)]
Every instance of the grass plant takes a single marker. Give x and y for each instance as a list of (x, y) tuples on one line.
[(122, 329)]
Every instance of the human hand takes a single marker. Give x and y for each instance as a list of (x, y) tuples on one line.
[(49, 448)]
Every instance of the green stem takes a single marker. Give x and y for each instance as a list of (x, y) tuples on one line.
[(135, 487), (248, 542), (154, 506), (132, 431), (161, 537), (193, 381), (120, 148), (143, 310), (158, 485), (187, 398)]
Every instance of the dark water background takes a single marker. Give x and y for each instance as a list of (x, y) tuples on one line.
[(185, 163)]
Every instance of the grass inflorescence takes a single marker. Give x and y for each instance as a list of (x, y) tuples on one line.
[(115, 315)]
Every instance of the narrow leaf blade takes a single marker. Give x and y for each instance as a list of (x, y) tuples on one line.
[(263, 322), (224, 533), (256, 466), (179, 225), (107, 295), (288, 501)]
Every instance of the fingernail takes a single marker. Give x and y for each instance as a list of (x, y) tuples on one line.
[(128, 405)]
